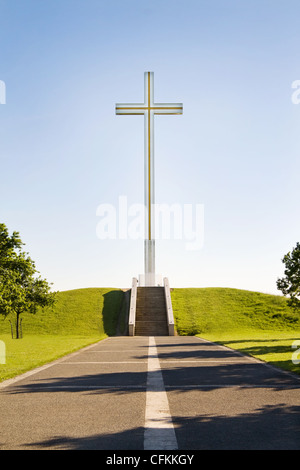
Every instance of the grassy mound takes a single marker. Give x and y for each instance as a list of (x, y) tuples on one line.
[(92, 311), (256, 324), (80, 317), (213, 310)]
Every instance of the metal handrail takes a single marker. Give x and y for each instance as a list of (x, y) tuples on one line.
[(132, 308), (171, 324)]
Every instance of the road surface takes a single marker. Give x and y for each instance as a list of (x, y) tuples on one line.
[(159, 393)]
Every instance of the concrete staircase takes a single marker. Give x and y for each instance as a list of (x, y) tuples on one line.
[(151, 312)]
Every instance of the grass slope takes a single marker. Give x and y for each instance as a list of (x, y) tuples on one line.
[(256, 324), (92, 311), (213, 310), (79, 317)]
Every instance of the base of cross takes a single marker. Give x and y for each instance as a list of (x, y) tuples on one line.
[(150, 280)]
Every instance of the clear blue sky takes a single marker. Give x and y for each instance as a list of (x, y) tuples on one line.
[(235, 150)]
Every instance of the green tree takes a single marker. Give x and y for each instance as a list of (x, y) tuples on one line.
[(290, 284), (21, 289)]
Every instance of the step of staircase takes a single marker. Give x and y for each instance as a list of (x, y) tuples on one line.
[(151, 312)]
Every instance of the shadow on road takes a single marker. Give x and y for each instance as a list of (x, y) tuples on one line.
[(244, 432), (218, 426)]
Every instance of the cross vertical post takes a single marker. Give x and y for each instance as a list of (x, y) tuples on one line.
[(148, 109)]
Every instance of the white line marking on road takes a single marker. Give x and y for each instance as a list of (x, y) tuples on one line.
[(113, 351), (104, 362), (43, 387), (159, 429), (238, 386), (203, 361)]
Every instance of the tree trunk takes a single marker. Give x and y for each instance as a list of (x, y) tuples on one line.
[(17, 326)]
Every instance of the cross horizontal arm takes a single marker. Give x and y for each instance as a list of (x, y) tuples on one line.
[(161, 108), (130, 108), (167, 108)]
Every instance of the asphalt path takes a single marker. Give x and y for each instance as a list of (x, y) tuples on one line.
[(162, 393)]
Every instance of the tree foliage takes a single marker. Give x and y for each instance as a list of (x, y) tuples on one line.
[(21, 289), (290, 284)]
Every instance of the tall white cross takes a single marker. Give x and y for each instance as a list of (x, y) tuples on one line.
[(148, 109)]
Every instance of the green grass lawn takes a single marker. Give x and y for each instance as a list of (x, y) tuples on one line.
[(80, 317), (273, 347), (256, 324), (35, 350)]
